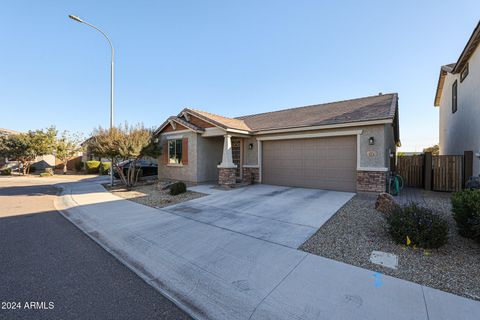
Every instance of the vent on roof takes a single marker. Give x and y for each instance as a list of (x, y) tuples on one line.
[(380, 94)]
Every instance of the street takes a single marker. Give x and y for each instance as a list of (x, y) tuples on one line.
[(51, 270)]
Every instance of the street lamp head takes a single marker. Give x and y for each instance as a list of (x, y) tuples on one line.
[(75, 18)]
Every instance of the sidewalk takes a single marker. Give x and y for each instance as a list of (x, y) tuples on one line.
[(214, 273)]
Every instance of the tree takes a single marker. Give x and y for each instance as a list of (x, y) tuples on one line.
[(125, 143), (435, 150), (25, 147), (67, 148)]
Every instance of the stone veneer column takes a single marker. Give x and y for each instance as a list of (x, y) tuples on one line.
[(227, 169), (250, 174), (371, 181)]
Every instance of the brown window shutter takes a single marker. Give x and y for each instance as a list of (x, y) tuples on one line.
[(185, 151), (165, 153)]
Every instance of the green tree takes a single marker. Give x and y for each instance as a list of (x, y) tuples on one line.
[(435, 150), (125, 143), (25, 147), (67, 147)]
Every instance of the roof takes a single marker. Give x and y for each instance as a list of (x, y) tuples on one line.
[(5, 132), (367, 109), (457, 67), (221, 121), (378, 107)]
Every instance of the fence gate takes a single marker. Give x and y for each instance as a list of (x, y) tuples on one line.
[(447, 172), (411, 170)]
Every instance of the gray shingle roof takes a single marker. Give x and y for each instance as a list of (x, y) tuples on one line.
[(355, 110)]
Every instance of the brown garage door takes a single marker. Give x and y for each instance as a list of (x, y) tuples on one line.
[(325, 163)]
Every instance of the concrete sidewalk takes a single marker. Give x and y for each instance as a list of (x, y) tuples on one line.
[(214, 273)]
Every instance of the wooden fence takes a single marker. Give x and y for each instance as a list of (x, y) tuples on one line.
[(438, 173), (411, 170), (447, 173)]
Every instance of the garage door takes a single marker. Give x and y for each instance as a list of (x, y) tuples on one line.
[(325, 163)]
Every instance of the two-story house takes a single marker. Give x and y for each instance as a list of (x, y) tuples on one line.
[(458, 96)]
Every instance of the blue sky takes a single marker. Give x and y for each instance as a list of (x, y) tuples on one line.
[(225, 57)]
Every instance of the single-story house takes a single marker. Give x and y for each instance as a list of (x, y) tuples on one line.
[(458, 99), (346, 145)]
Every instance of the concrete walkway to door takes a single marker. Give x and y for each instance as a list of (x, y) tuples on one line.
[(217, 273)]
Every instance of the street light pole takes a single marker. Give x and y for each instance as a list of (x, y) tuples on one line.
[(111, 78)]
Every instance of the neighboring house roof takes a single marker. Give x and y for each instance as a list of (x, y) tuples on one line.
[(5, 132), (457, 67), (377, 107), (221, 121)]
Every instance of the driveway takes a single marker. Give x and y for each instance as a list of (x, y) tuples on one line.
[(215, 272), (281, 215)]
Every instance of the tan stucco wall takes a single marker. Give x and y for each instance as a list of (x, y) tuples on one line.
[(208, 157), (460, 131), (175, 172), (250, 156)]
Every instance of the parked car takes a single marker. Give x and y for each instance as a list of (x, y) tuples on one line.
[(147, 168)]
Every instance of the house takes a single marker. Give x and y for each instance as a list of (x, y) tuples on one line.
[(458, 98), (346, 145)]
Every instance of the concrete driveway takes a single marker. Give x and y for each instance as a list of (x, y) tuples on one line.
[(282, 215), (215, 272)]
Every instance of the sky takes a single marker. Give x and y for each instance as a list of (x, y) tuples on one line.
[(226, 57)]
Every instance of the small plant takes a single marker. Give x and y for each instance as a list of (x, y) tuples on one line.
[(105, 168), (79, 166), (466, 212), (6, 172), (93, 166), (48, 172), (417, 226), (178, 188)]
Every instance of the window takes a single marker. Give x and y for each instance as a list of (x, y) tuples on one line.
[(454, 97), (464, 73), (175, 151)]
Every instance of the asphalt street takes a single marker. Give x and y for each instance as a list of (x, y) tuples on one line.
[(49, 269)]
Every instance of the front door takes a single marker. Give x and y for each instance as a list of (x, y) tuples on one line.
[(237, 155)]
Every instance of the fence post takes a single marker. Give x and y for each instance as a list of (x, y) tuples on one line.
[(427, 171), (467, 166)]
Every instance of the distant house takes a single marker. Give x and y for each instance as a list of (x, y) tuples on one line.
[(346, 145), (458, 96)]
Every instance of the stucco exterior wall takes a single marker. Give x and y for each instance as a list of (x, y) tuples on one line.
[(250, 156), (180, 172), (460, 131), (208, 157)]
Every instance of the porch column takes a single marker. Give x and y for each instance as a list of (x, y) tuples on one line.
[(226, 169)]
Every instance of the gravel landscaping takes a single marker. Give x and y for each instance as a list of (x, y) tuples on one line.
[(152, 194), (357, 229)]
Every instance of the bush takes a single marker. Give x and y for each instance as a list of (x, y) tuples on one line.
[(466, 212), (178, 188), (6, 172), (79, 166), (473, 183), (424, 228), (105, 167), (93, 166)]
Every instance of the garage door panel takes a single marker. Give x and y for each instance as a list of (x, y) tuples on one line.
[(326, 163)]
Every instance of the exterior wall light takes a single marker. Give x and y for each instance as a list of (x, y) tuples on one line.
[(250, 146), (371, 141)]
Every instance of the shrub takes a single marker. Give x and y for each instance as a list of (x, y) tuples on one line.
[(105, 167), (49, 171), (93, 166), (422, 227), (6, 172), (466, 212), (46, 174), (178, 188), (473, 183), (79, 166)]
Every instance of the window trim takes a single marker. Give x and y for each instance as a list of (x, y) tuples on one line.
[(455, 96), (176, 144)]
